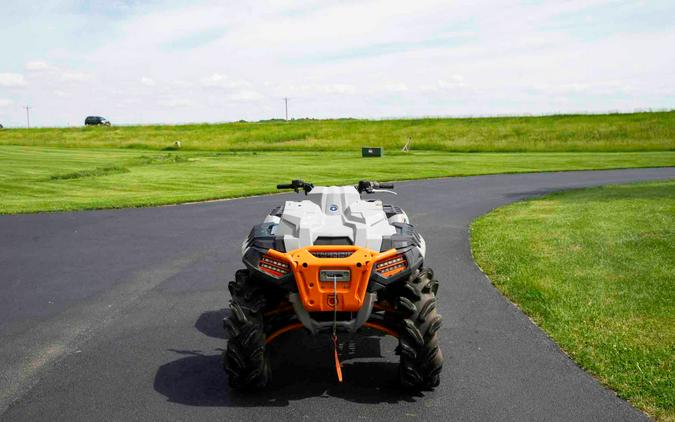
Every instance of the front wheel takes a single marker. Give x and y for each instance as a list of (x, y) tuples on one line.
[(245, 359), (421, 357)]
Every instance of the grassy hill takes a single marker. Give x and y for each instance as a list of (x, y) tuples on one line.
[(564, 133)]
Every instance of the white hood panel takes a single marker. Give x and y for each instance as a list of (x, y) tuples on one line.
[(334, 212)]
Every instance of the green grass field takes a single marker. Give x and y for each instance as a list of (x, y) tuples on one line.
[(595, 269), (565, 133), (102, 167), (51, 179)]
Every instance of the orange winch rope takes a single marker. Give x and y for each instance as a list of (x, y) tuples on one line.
[(338, 365)]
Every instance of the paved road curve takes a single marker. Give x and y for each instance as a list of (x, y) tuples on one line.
[(116, 315)]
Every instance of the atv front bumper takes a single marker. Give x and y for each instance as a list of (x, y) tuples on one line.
[(334, 285), (334, 278)]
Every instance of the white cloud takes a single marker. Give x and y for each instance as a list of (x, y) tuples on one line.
[(233, 89), (312, 89), (602, 87), (76, 76), (147, 81), (179, 83), (338, 89), (223, 81), (5, 102), (38, 66), (396, 87), (455, 82), (12, 80), (176, 102), (245, 95)]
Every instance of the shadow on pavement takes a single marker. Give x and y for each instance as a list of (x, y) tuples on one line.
[(302, 367), (211, 323)]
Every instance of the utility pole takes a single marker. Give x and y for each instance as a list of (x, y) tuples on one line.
[(27, 116), (286, 103)]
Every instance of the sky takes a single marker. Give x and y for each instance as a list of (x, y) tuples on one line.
[(142, 62)]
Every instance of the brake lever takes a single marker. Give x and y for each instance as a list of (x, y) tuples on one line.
[(383, 191)]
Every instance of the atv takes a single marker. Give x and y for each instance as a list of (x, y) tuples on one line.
[(333, 263)]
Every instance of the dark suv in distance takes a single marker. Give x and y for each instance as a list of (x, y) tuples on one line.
[(96, 121)]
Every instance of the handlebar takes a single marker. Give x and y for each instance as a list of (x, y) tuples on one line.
[(296, 185), (369, 186)]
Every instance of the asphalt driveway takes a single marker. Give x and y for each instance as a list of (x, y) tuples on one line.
[(116, 315)]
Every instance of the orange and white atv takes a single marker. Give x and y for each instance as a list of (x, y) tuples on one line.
[(333, 263)]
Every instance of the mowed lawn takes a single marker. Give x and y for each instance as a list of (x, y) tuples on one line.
[(54, 169), (51, 179), (595, 269)]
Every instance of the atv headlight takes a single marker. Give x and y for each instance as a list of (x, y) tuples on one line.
[(273, 266), (391, 266)]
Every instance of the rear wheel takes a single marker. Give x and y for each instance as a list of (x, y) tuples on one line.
[(245, 359), (421, 357)]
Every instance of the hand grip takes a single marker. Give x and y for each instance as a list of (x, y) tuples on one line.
[(386, 186), (285, 186)]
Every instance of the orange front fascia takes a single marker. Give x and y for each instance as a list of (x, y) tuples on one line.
[(321, 296)]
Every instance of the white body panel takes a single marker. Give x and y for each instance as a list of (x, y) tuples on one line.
[(335, 212)]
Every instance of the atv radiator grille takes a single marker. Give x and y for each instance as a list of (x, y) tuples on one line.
[(332, 254)]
